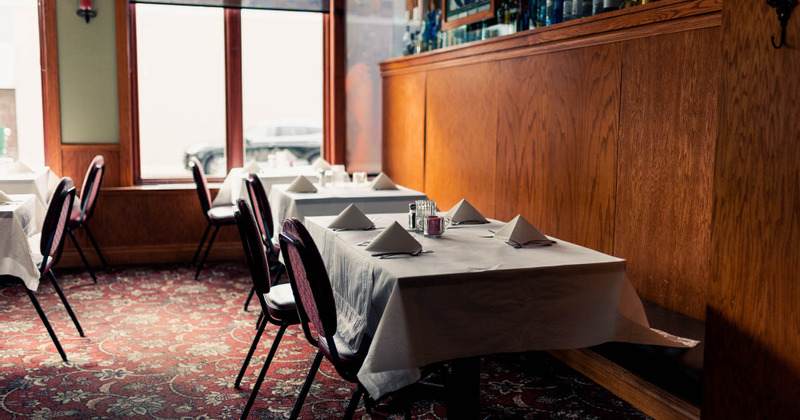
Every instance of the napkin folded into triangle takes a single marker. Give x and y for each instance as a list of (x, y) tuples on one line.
[(521, 231), (4, 198), (351, 218), (321, 165), (464, 212), (383, 182), (251, 167), (301, 184), (394, 239), (19, 167)]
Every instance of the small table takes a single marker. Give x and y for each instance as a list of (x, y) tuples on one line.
[(332, 199), (19, 220), (233, 188), (41, 183), (474, 296)]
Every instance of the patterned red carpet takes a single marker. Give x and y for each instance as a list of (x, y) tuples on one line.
[(160, 345)]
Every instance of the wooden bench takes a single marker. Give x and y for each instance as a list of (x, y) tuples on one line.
[(663, 382)]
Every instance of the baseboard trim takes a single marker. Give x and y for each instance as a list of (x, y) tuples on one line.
[(645, 396), (152, 254)]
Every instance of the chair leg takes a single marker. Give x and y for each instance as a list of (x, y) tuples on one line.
[(210, 242), (249, 296), (277, 275), (83, 257), (306, 386), (96, 248), (263, 373), (351, 408), (64, 301), (260, 319), (249, 355), (46, 323), (200, 247)]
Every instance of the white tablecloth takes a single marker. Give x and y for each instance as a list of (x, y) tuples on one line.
[(18, 221), (331, 200), (41, 183), (474, 296), (233, 188)]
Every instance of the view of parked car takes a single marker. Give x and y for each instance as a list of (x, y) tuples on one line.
[(303, 138)]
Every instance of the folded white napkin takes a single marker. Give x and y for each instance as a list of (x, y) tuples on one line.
[(463, 212), (19, 167), (351, 218), (301, 184), (321, 165), (4, 198), (520, 230), (394, 239), (251, 167), (383, 182)]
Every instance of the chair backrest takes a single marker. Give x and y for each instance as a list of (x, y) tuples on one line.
[(261, 210), (55, 222), (202, 185), (309, 279), (91, 186), (253, 248)]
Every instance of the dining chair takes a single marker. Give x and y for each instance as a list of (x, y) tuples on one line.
[(315, 305), (263, 216), (216, 216), (277, 302), (80, 217), (50, 245)]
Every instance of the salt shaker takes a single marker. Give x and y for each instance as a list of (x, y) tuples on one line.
[(412, 216)]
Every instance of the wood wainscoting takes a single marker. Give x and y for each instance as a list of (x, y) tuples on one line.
[(600, 131), (150, 225), (143, 224)]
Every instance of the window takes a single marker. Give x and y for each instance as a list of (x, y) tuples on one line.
[(182, 100), (21, 122)]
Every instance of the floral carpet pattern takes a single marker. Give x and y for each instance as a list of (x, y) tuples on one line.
[(160, 345)]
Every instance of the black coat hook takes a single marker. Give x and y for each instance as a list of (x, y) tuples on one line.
[(784, 10)]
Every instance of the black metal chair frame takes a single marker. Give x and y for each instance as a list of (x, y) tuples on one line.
[(205, 203), (51, 247), (88, 202), (262, 210), (315, 270), (257, 264)]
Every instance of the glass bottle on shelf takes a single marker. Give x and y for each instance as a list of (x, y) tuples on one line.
[(609, 5), (597, 7), (558, 11)]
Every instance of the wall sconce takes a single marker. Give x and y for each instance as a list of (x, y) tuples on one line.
[(85, 10)]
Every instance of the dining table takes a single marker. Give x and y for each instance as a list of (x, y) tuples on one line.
[(21, 219), (233, 188), (335, 197), (470, 294), (40, 181)]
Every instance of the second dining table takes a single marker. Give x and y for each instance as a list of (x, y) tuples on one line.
[(474, 295), (333, 198)]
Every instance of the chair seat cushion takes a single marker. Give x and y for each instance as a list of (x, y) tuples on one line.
[(75, 217), (351, 361), (222, 215), (280, 302)]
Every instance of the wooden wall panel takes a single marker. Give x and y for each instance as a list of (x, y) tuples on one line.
[(668, 127), (557, 143), (752, 358), (76, 159), (150, 225), (461, 136), (404, 129)]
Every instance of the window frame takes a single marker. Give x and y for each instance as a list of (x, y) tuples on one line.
[(333, 146)]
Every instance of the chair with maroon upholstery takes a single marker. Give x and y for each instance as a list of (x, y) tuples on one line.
[(316, 305), (50, 245), (216, 216), (277, 302), (80, 216), (263, 215)]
